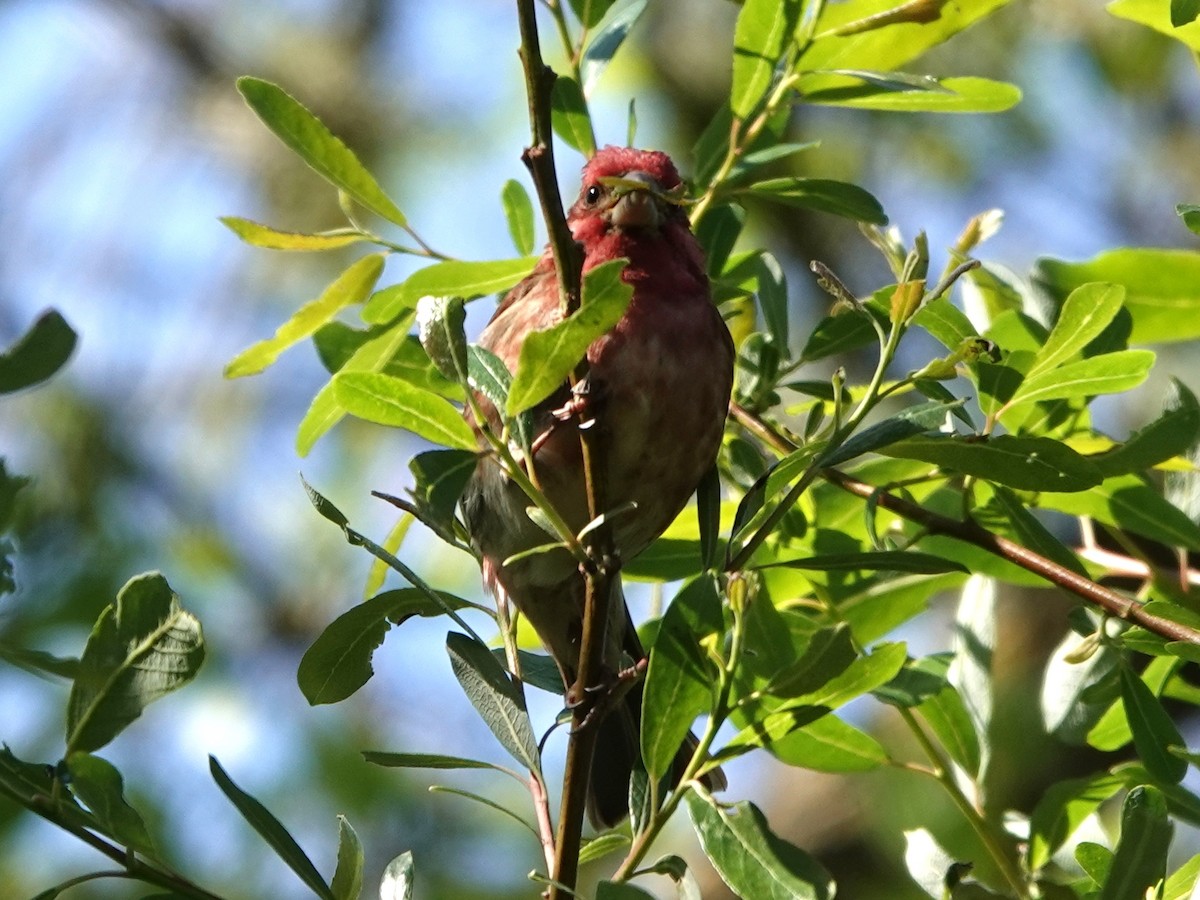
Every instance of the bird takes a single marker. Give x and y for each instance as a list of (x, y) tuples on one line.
[(657, 390)]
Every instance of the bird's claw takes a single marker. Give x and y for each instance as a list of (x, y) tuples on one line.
[(602, 698)]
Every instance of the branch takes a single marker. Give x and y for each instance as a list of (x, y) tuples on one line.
[(599, 573)]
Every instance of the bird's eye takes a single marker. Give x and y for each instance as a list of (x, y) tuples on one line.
[(593, 194)]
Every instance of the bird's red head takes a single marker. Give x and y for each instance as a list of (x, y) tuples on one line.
[(615, 162)]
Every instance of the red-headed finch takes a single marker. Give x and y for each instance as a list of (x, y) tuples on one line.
[(657, 392)]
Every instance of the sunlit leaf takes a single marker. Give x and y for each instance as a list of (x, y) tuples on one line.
[(259, 235), (605, 43), (903, 426), (98, 784), (451, 278), (518, 212), (348, 876), (1127, 503), (548, 356), (397, 882), (308, 137), (142, 647), (1111, 373), (1140, 858), (1153, 730), (948, 95), (569, 115), (353, 286), (1032, 464), (762, 31), (838, 197), (1157, 14), (1170, 435), (390, 401), (830, 745)]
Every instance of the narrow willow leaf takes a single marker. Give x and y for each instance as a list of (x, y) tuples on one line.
[(605, 43), (325, 411), (830, 745), (1085, 313), (425, 761), (98, 784), (518, 212), (308, 137), (39, 353), (905, 425), (602, 845), (339, 661), (548, 356), (1126, 503), (37, 662), (569, 116), (1111, 373), (272, 831), (397, 882), (838, 197), (946, 322), (708, 516), (839, 334), (1182, 881), (390, 401), (717, 231), (1140, 858), (1033, 534), (1094, 859), (353, 286), (750, 858), (1160, 286), (956, 95), (142, 647), (1171, 434), (947, 717), (886, 561), (498, 700), (1031, 464), (679, 681), (760, 35), (259, 235), (1153, 731), (348, 876), (1113, 731), (450, 278), (971, 670)]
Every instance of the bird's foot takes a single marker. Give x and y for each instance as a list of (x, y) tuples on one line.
[(600, 699)]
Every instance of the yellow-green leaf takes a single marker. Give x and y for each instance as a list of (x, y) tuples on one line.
[(260, 235), (391, 401)]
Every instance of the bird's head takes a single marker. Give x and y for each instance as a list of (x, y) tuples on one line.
[(633, 190)]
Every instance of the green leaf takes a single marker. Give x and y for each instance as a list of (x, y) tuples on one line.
[(1190, 213), (913, 421), (1179, 886), (613, 890), (142, 647), (1062, 809), (353, 286), (1026, 463), (1140, 859), (325, 411), (390, 401), (886, 561), (1033, 534), (590, 12), (839, 334), (259, 235), (494, 695), (569, 116), (718, 231), (869, 34), (1170, 435), (1158, 15), (424, 761), (518, 212), (1161, 290), (679, 679), (308, 137), (762, 31), (548, 356), (1153, 731), (1113, 731), (602, 845), (440, 327), (838, 197), (605, 43), (830, 745), (750, 858), (397, 882), (441, 477), (272, 831), (1084, 315), (1094, 859), (708, 516), (1184, 11), (830, 651), (1110, 373), (99, 785), (348, 876), (971, 668), (956, 95), (450, 278), (339, 661), (946, 322), (947, 717), (36, 661), (38, 354), (1127, 503)]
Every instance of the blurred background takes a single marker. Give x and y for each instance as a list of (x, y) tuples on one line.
[(122, 139)]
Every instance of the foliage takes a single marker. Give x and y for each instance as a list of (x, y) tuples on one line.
[(843, 508)]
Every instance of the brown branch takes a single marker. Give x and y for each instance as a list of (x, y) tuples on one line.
[(539, 159)]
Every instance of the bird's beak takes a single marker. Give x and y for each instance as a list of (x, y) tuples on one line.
[(640, 201)]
